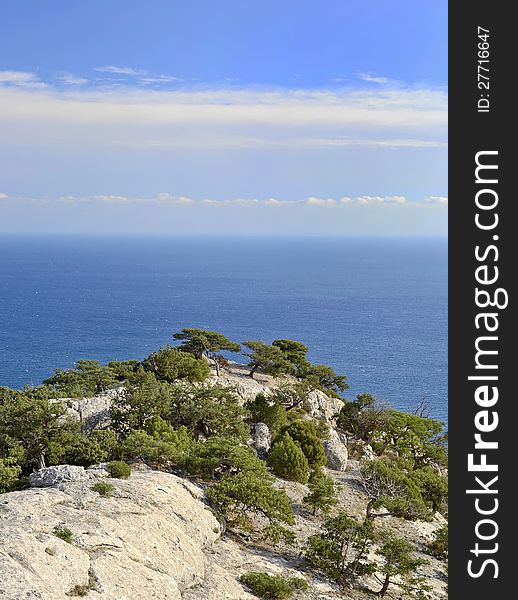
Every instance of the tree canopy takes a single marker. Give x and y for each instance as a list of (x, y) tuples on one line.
[(322, 492), (267, 359), (238, 497), (390, 486), (399, 560), (288, 460), (341, 548), (202, 342), (305, 434), (171, 365)]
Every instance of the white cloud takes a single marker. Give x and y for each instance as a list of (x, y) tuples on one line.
[(436, 200), (370, 200), (152, 79), (312, 201), (168, 199), (3, 196), (70, 79), (21, 79), (373, 78), (365, 200), (388, 143), (136, 117), (112, 198), (120, 70), (218, 141), (141, 76), (387, 106)]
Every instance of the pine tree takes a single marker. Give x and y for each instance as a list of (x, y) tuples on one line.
[(400, 561), (322, 492), (288, 461)]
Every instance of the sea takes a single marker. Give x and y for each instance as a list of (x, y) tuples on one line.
[(375, 309)]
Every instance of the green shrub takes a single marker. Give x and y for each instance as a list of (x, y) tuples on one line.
[(9, 474), (87, 378), (270, 412), (389, 485), (365, 417), (171, 364), (28, 427), (72, 447), (340, 550), (272, 587), (400, 561), (63, 533), (142, 400), (322, 492), (118, 469), (160, 445), (208, 410), (245, 495), (219, 456), (288, 461), (325, 378), (78, 591), (305, 434), (202, 342), (433, 487), (103, 488), (438, 547)]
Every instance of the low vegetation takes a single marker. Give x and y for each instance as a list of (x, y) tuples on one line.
[(273, 587), (118, 469), (438, 547), (103, 488), (64, 533)]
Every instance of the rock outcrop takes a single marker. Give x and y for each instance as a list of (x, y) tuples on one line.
[(146, 541), (56, 476), (92, 413), (262, 438), (336, 452), (321, 406)]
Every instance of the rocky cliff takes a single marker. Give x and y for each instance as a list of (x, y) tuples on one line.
[(153, 538)]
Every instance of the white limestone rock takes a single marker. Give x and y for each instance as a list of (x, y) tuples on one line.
[(53, 476), (262, 438), (321, 406), (146, 541), (336, 452)]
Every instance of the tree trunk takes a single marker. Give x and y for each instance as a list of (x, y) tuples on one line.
[(252, 371), (384, 589), (216, 364), (41, 461)]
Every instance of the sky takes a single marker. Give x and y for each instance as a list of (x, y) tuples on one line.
[(229, 117)]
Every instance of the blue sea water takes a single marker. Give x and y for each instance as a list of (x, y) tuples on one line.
[(373, 308)]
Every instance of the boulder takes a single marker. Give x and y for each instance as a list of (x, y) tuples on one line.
[(262, 438), (336, 452), (53, 476), (321, 406), (92, 413)]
